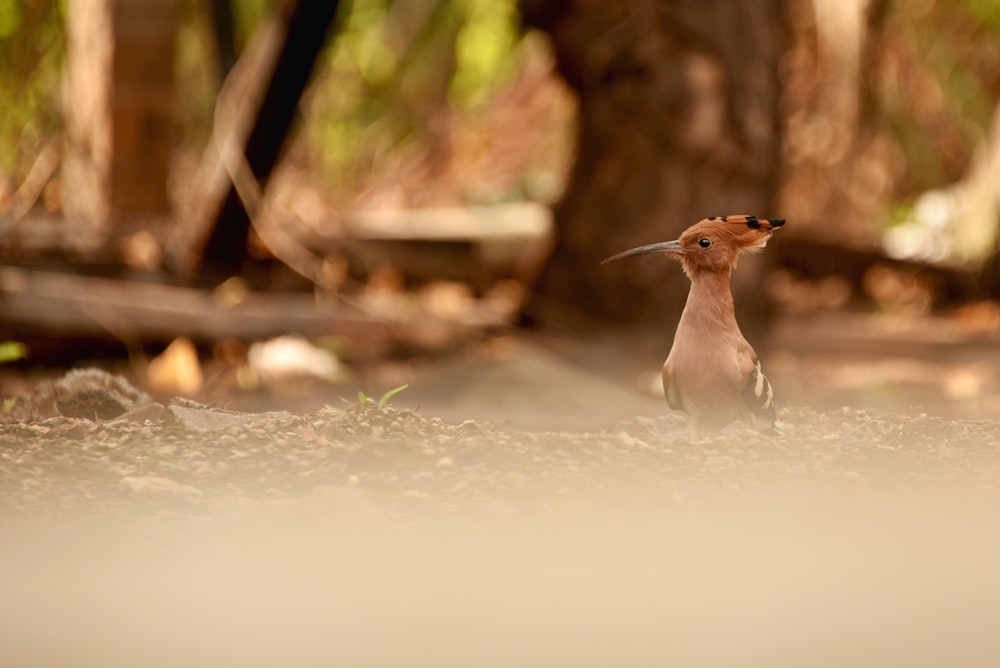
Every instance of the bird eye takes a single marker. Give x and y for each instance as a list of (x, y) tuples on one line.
[(704, 242)]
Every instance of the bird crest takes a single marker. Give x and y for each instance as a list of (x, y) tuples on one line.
[(714, 243), (742, 232)]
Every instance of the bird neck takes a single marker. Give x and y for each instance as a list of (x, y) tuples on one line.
[(710, 300)]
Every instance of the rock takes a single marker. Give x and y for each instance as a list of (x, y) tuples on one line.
[(147, 412), (89, 393), (212, 419)]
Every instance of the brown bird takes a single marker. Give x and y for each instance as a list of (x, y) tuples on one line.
[(712, 373)]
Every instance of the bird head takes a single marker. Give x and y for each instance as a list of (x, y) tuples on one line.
[(712, 244)]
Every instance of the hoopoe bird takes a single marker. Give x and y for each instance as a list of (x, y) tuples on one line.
[(712, 374)]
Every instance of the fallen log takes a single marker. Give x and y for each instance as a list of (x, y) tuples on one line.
[(47, 303)]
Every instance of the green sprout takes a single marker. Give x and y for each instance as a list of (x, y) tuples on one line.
[(384, 400), (364, 399)]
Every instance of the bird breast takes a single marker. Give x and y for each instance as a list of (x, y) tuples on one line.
[(703, 373)]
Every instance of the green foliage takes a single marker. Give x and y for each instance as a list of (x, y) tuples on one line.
[(394, 75), (365, 400), (384, 400), (11, 351), (987, 12), (247, 15), (395, 66), (11, 15), (32, 49), (8, 405), (482, 50), (933, 85)]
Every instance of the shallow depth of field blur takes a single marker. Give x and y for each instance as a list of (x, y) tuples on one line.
[(415, 188), (307, 356)]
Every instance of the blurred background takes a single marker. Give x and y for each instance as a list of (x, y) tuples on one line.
[(278, 202)]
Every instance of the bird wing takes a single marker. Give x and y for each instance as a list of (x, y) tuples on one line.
[(757, 392)]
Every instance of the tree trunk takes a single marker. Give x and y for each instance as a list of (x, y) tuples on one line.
[(225, 252), (678, 121), (119, 110)]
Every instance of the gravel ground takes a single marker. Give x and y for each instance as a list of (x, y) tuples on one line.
[(398, 463), (186, 535)]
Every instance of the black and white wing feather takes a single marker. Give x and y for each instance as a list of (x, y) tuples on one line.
[(759, 396)]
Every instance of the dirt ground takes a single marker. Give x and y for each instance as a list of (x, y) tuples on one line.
[(526, 501), (581, 527)]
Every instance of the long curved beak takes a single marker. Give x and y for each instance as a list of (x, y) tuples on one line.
[(667, 247)]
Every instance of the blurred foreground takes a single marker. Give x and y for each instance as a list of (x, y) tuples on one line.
[(381, 538)]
